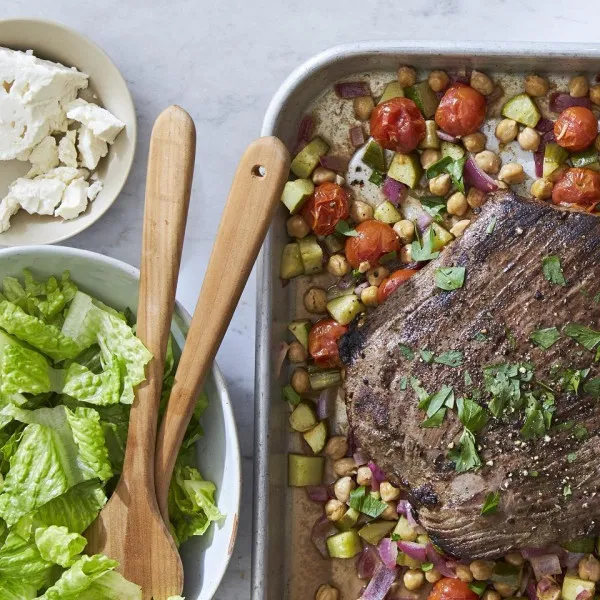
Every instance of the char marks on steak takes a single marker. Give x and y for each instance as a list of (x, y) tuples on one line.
[(505, 296)]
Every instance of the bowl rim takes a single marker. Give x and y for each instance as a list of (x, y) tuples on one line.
[(133, 128), (220, 384)]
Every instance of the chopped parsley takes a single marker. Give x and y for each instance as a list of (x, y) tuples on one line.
[(365, 503), (572, 457), (455, 170), (480, 337), (435, 420), (433, 403), (545, 338), (403, 383), (450, 278), (587, 337), (388, 257), (592, 387), (451, 358), (492, 225), (478, 587), (490, 506), (426, 566), (438, 167), (552, 270), (471, 415), (421, 392), (344, 229), (567, 491), (406, 351), (434, 206), (426, 355), (465, 456), (377, 178), (423, 250), (395, 537), (468, 379), (538, 417), (580, 432)]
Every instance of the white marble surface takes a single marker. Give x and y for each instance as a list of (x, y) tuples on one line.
[(222, 60)]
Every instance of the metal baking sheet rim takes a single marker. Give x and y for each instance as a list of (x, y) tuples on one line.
[(563, 57)]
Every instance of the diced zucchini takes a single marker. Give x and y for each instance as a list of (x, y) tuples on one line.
[(344, 545), (303, 418), (406, 168), (586, 158), (300, 330), (581, 545), (386, 212), (334, 243), (522, 109), (375, 531), (308, 158), (424, 97), (405, 530), (316, 438), (554, 156), (291, 261), (348, 521), (431, 139), (406, 561), (291, 395), (311, 254), (507, 574), (338, 292), (454, 151), (374, 157), (319, 380), (392, 90), (295, 194), (573, 586), (345, 308), (305, 470), (441, 237)]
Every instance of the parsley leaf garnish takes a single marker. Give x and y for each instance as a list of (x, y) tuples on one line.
[(403, 383), (450, 278), (545, 338), (492, 225), (365, 503), (580, 432), (433, 403), (434, 206), (377, 178), (455, 170), (451, 358), (592, 387), (421, 392), (426, 566), (490, 506), (552, 270), (478, 587), (343, 228), (468, 379), (406, 351), (587, 337), (465, 456), (423, 250), (480, 337), (426, 355), (572, 457), (438, 167), (435, 420), (471, 415), (567, 491)]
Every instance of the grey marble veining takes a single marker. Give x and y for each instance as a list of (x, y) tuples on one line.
[(222, 60)]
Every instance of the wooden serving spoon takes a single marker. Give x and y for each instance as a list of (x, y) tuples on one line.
[(130, 528), (255, 193)]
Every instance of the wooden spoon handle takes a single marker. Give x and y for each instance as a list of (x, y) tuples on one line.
[(255, 192), (168, 186)]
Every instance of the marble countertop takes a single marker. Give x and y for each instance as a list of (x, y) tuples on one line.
[(222, 61)]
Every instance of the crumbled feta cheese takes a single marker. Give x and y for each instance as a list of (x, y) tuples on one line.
[(65, 174), (74, 200), (94, 190), (40, 195), (43, 157), (103, 124), (67, 153), (91, 149), (8, 207)]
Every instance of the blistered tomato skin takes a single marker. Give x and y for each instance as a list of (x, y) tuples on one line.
[(322, 343), (398, 125), (576, 128), (452, 589), (328, 205), (578, 186), (374, 239), (461, 111), (393, 282)]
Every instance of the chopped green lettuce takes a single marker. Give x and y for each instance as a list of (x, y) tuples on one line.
[(57, 545)]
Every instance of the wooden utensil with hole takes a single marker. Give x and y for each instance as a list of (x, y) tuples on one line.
[(130, 528), (255, 193)]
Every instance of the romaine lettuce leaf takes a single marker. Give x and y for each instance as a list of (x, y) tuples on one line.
[(57, 545), (16, 590), (20, 560), (84, 385), (24, 371)]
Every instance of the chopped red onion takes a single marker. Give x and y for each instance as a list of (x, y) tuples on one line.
[(305, 129), (280, 358), (352, 89), (548, 137), (440, 562), (461, 77), (544, 585), (394, 191), (388, 552), (380, 584), (359, 288), (359, 458), (339, 164), (570, 560), (584, 595), (446, 137), (496, 94), (538, 161), (531, 589), (414, 550), (525, 579), (561, 100), (321, 530), (544, 125), (403, 507), (357, 136), (367, 561), (318, 493), (345, 282), (378, 475), (546, 564), (325, 403), (478, 178)]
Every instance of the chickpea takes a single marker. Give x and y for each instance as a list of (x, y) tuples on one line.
[(438, 80), (595, 94), (440, 185), (512, 173), (589, 568), (300, 381), (482, 83), (407, 76), (488, 161), (506, 131), (322, 175), (364, 475), (405, 531), (388, 491), (430, 157), (315, 300), (406, 254), (297, 227), (390, 513), (457, 204), (364, 266), (413, 579), (529, 139), (542, 189), (363, 105), (579, 86), (327, 592), (536, 86), (504, 589), (343, 487), (481, 569), (405, 230), (340, 180), (344, 467), (338, 265), (464, 573), (335, 510), (490, 595), (361, 211), (475, 142), (476, 198), (336, 447), (376, 275), (459, 228), (369, 296), (551, 592), (296, 353), (433, 575)]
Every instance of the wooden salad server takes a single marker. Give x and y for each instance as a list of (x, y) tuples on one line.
[(130, 528), (254, 195)]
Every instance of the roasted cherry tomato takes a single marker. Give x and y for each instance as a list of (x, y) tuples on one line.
[(398, 125), (576, 128), (374, 239), (461, 110), (326, 207), (393, 282), (322, 343), (452, 589), (578, 186)]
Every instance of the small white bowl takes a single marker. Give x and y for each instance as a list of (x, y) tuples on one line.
[(205, 558), (58, 43)]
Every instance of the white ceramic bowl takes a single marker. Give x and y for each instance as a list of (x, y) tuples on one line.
[(58, 43), (205, 559)]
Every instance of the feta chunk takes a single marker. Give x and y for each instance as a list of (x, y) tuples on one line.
[(91, 149), (67, 153), (65, 174), (94, 189), (43, 157), (40, 195), (8, 207), (74, 200), (103, 124)]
